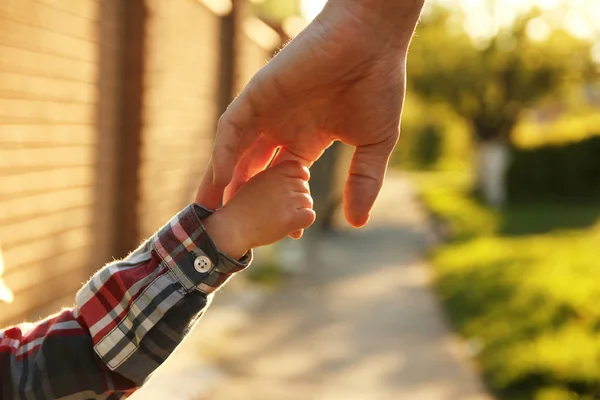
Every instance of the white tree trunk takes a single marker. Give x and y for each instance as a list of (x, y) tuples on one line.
[(491, 166)]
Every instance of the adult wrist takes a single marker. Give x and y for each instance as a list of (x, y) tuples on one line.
[(396, 19)]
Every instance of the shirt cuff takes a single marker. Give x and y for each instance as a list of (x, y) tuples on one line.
[(189, 252)]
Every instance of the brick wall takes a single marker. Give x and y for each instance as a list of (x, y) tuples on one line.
[(181, 94), (256, 43), (63, 110), (180, 106), (48, 135), (86, 87)]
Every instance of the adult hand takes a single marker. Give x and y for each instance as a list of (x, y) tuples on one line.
[(342, 78)]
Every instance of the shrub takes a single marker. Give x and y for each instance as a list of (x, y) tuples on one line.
[(523, 284), (556, 172), (428, 149)]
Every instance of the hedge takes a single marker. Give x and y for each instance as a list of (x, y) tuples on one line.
[(522, 285), (556, 172)]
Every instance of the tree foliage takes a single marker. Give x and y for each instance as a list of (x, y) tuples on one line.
[(490, 84), (277, 10)]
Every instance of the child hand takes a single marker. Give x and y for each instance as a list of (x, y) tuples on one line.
[(272, 205)]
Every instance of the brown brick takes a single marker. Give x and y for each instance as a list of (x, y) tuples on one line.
[(53, 287), (35, 63), (46, 157), (44, 181), (24, 86), (17, 34), (43, 16), (56, 134), (59, 117), (60, 200), (180, 113), (85, 9), (43, 226)]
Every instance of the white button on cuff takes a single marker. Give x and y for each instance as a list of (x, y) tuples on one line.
[(202, 264)]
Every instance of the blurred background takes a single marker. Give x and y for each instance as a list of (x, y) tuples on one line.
[(108, 111), (107, 117), (502, 130)]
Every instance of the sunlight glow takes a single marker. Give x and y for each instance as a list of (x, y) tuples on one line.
[(312, 8), (5, 293), (538, 29), (485, 17)]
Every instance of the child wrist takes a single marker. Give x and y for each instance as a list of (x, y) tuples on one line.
[(225, 235)]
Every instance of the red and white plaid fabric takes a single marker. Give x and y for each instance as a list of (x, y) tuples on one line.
[(128, 319)]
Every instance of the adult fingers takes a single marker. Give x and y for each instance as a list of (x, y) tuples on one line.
[(235, 133), (209, 194), (365, 178), (296, 234), (254, 160)]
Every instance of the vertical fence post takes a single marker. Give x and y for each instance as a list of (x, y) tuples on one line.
[(128, 149), (109, 35), (227, 63)]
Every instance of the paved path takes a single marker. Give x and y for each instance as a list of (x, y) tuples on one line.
[(361, 323)]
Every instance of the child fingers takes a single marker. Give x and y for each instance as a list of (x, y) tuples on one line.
[(303, 200), (293, 169), (301, 186), (304, 218)]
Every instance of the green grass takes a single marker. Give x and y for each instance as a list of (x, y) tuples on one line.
[(525, 285), (269, 274)]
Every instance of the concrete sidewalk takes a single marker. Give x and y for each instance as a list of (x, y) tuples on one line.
[(191, 370), (360, 323)]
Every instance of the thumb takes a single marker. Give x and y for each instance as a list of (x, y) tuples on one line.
[(256, 159), (365, 179), (235, 133), (209, 195)]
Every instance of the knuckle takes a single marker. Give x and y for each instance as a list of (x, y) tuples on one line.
[(302, 186), (293, 168), (222, 121), (307, 201)]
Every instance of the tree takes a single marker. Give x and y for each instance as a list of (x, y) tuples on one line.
[(491, 83), (277, 9)]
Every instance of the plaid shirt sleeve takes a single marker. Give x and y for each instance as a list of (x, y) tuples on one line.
[(127, 319)]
